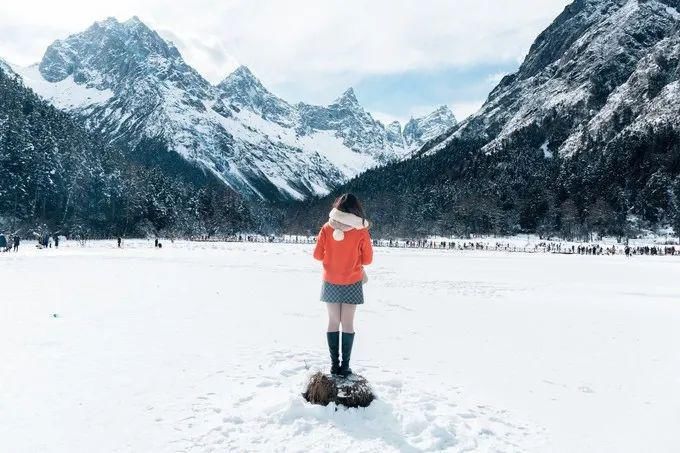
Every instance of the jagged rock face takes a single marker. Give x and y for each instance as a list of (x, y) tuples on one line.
[(419, 131), (128, 83), (348, 120), (110, 55), (243, 90), (601, 68), (396, 135)]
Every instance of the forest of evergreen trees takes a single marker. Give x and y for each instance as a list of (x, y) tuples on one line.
[(56, 177), (621, 189)]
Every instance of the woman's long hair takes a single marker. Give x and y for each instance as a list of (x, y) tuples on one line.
[(350, 203)]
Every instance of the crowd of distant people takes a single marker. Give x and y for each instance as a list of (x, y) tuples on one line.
[(543, 246), (538, 247), (11, 244), (48, 240), (52, 240)]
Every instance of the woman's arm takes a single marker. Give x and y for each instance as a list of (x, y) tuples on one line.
[(320, 249), (366, 249)]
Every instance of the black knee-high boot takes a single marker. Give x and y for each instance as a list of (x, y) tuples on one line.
[(347, 341), (334, 349)]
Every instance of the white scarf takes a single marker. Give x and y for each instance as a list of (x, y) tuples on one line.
[(344, 221)]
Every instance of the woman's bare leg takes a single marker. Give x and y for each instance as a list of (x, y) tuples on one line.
[(347, 317), (333, 317)]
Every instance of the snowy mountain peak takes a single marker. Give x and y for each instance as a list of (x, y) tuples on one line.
[(418, 131), (133, 30), (130, 84), (347, 98), (112, 22), (242, 80), (602, 77), (395, 134), (242, 89), (442, 115), (445, 111), (110, 52), (241, 74), (394, 127), (135, 21)]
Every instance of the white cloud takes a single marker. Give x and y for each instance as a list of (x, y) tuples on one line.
[(494, 79), (208, 55), (302, 49), (464, 109), (286, 40), (460, 109)]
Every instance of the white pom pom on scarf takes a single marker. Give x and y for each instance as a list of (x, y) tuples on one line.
[(344, 221)]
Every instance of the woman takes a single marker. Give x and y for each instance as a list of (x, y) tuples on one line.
[(344, 246)]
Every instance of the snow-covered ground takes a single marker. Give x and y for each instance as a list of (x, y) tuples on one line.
[(206, 347)]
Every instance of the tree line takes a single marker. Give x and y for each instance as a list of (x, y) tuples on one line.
[(57, 177), (619, 189)]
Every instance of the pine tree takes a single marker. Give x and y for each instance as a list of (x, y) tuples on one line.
[(676, 206)]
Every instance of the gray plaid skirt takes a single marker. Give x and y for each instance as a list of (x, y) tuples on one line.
[(342, 294)]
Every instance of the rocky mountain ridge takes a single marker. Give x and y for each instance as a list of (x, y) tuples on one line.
[(577, 77), (129, 84)]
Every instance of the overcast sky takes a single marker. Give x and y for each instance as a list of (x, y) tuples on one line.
[(403, 57)]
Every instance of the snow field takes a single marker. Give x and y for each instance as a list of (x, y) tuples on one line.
[(207, 346)]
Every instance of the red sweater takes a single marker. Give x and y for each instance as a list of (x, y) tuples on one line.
[(343, 261)]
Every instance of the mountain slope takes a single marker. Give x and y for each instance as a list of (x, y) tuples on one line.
[(55, 176), (571, 70), (129, 84), (583, 137)]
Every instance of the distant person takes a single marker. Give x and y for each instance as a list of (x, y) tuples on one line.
[(344, 246), (120, 241), (3, 243), (17, 241), (56, 241), (155, 243)]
